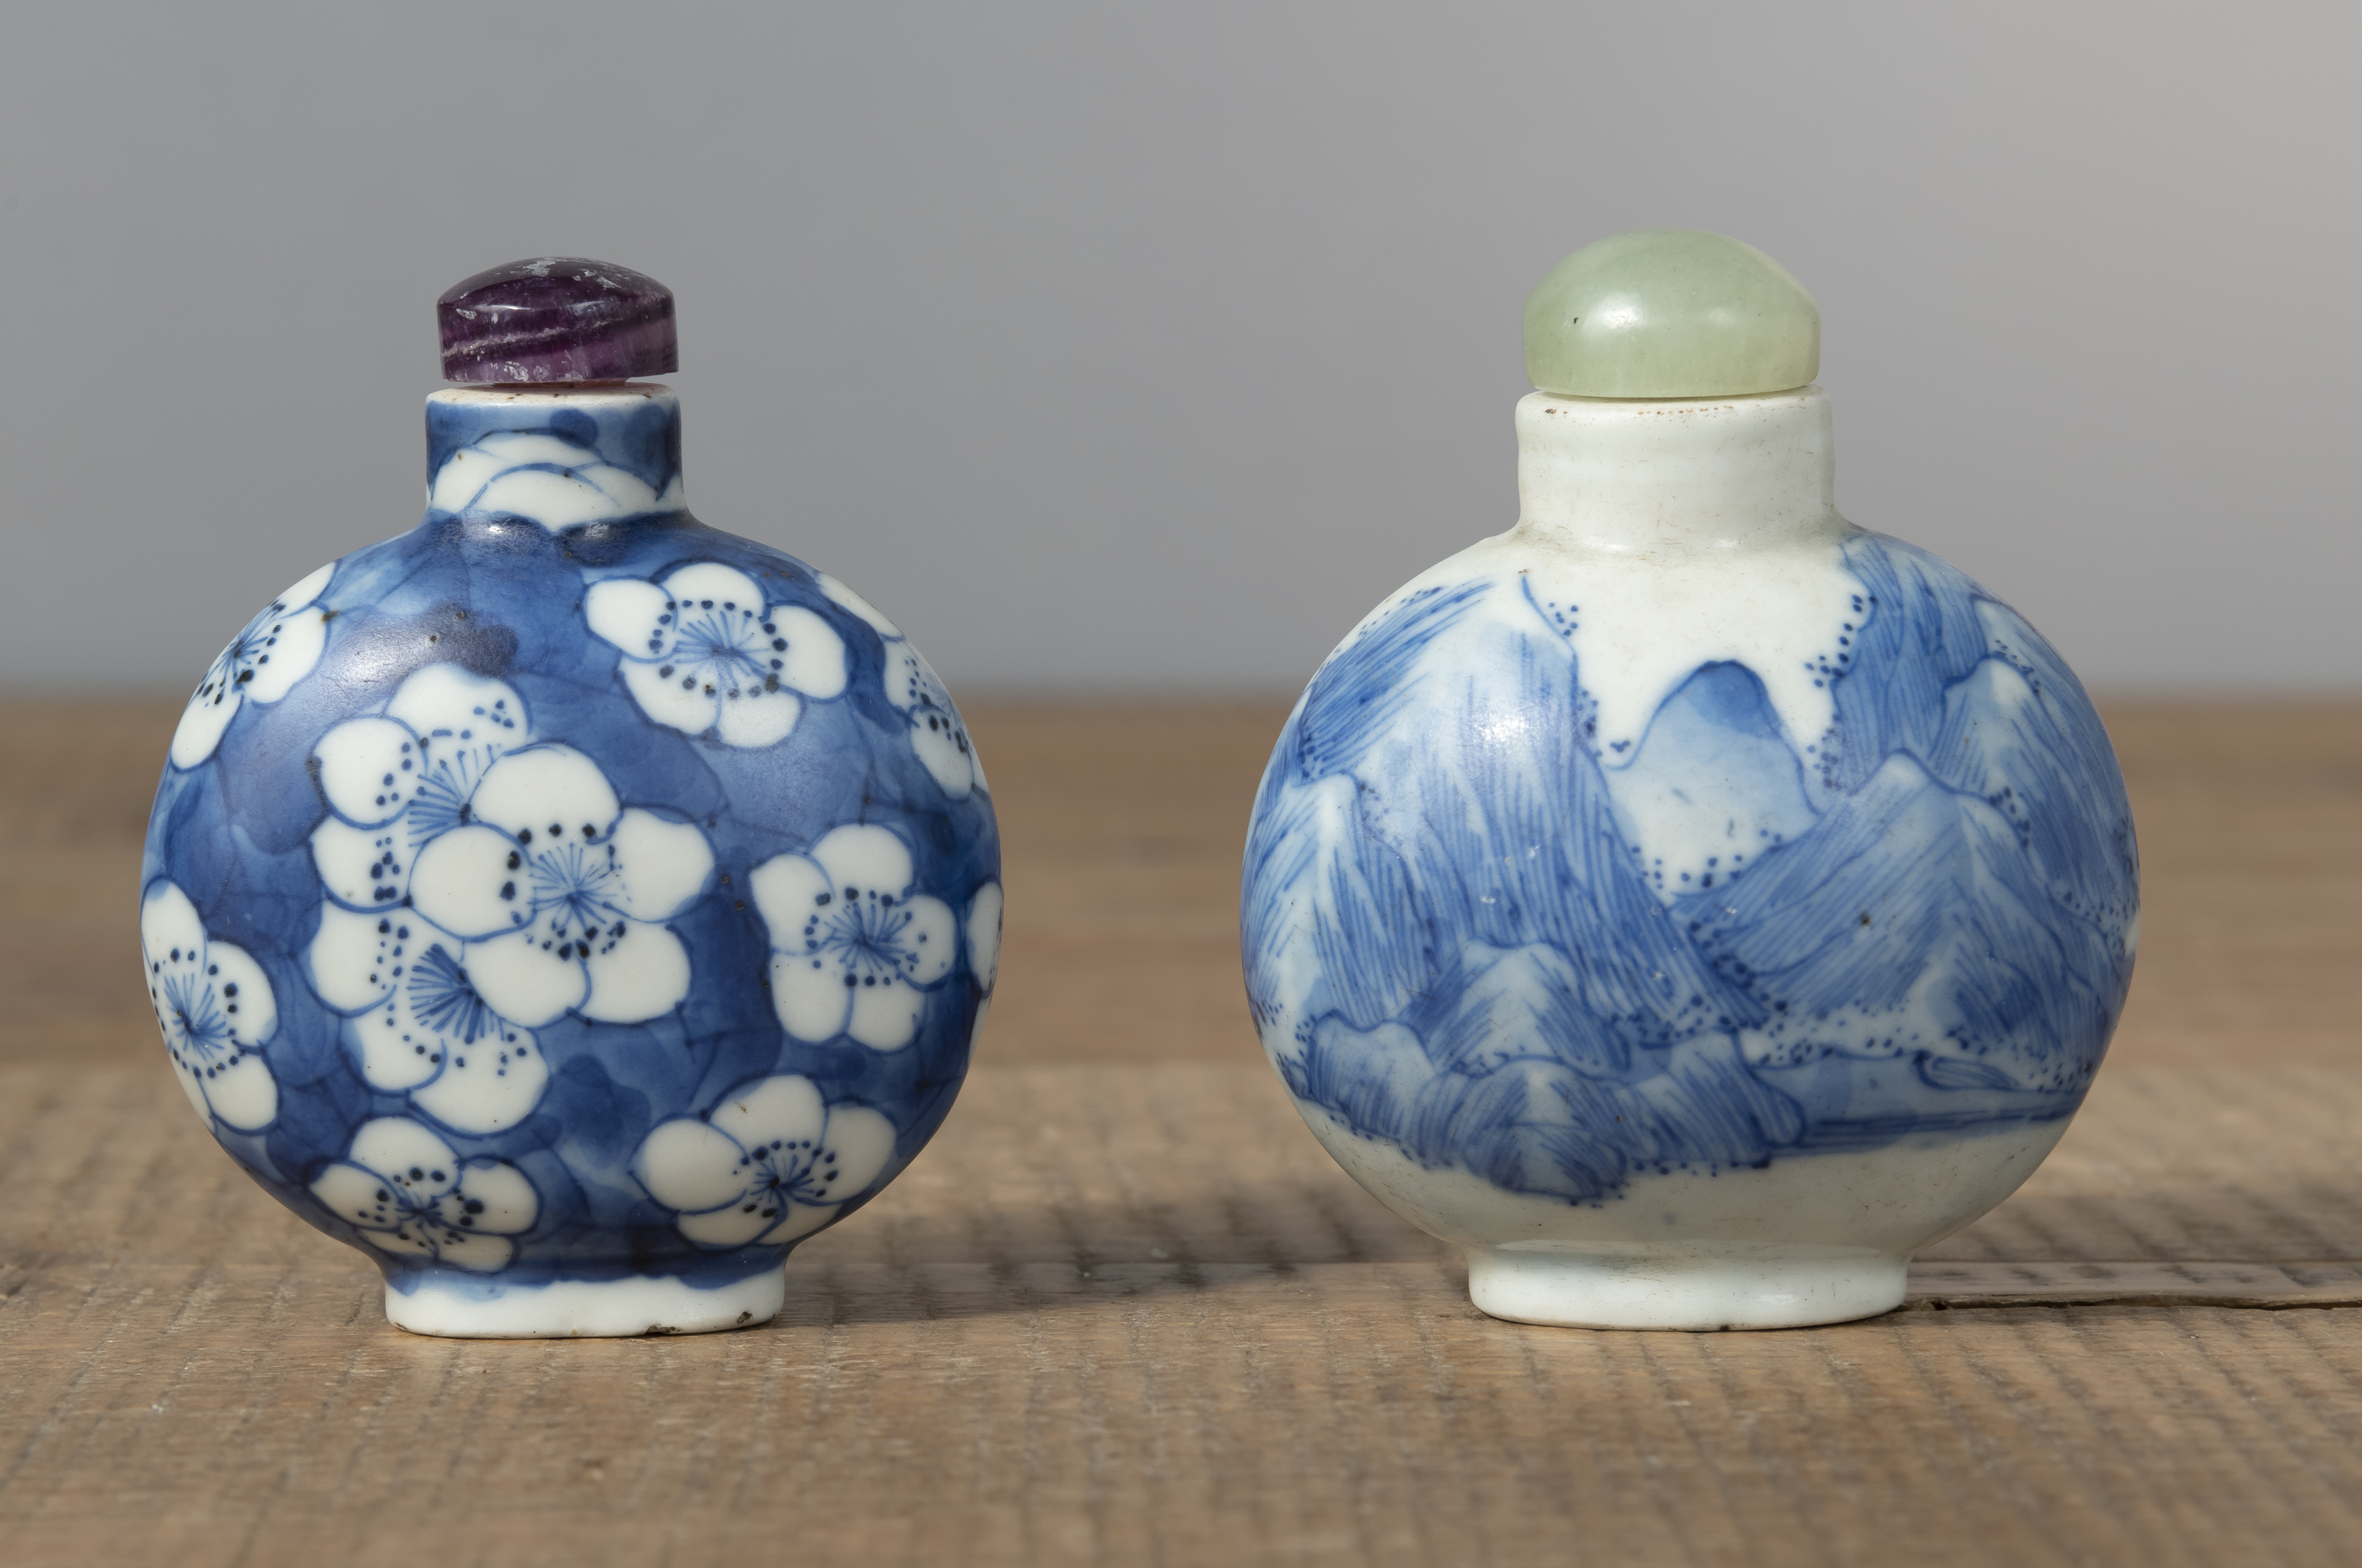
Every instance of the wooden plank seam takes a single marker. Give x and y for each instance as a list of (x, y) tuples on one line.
[(1938, 1286)]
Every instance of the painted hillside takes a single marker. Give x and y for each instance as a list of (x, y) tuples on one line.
[(1470, 935)]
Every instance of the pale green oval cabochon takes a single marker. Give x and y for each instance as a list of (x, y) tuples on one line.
[(1670, 313)]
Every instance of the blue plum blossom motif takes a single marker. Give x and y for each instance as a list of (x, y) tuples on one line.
[(400, 779), (408, 1192), (853, 948), (703, 654), (773, 1162), (417, 1024), (471, 892), (216, 1009), (479, 884), (262, 664), (543, 479), (937, 734)]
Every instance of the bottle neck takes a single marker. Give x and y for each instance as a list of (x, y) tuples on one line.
[(556, 456), (1676, 477)]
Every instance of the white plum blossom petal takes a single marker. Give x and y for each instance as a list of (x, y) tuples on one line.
[(367, 770), (489, 1087), (206, 719), (523, 977), (262, 664), (351, 1193), (781, 1107), (352, 960), (984, 935), (466, 719), (389, 1061), (637, 970), (240, 1092), (787, 887), (841, 595), (418, 1023), (551, 790), (751, 725), (283, 643), (852, 947), (217, 1009), (686, 1165), (703, 653), (632, 614), (809, 1000), (676, 698), (937, 734), (408, 1192), (661, 866), (735, 1225), (814, 659), (559, 498), (408, 1154), (467, 882), (774, 1161), (863, 854), (362, 868), (544, 480), (883, 1017)]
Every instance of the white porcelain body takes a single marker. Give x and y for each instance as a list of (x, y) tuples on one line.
[(1686, 902)]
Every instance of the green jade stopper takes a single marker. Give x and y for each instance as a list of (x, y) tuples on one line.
[(1670, 313)]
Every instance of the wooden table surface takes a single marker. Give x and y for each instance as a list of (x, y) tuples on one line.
[(1124, 1310)]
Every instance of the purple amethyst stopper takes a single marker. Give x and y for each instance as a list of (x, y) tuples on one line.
[(556, 318)]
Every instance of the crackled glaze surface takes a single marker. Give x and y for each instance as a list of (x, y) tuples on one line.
[(1685, 835), (566, 892)]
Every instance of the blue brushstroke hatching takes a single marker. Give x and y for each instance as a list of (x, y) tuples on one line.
[(1458, 942)]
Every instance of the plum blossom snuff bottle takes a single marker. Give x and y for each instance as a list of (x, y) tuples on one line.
[(568, 904), (1687, 902)]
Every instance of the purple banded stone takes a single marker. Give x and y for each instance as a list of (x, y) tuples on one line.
[(556, 318)]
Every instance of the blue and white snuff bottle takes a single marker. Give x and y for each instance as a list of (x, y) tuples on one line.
[(1687, 902), (568, 904)]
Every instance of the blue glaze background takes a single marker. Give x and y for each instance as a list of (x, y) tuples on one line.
[(1493, 982), (503, 597)]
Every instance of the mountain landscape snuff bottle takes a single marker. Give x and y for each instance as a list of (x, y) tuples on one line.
[(568, 904), (1687, 902)]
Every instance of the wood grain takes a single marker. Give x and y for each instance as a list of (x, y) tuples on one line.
[(1133, 1314), (1125, 1309)]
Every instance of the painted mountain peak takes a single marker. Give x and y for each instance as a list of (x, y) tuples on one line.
[(1470, 935)]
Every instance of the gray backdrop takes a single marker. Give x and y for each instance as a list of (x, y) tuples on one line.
[(1141, 347)]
